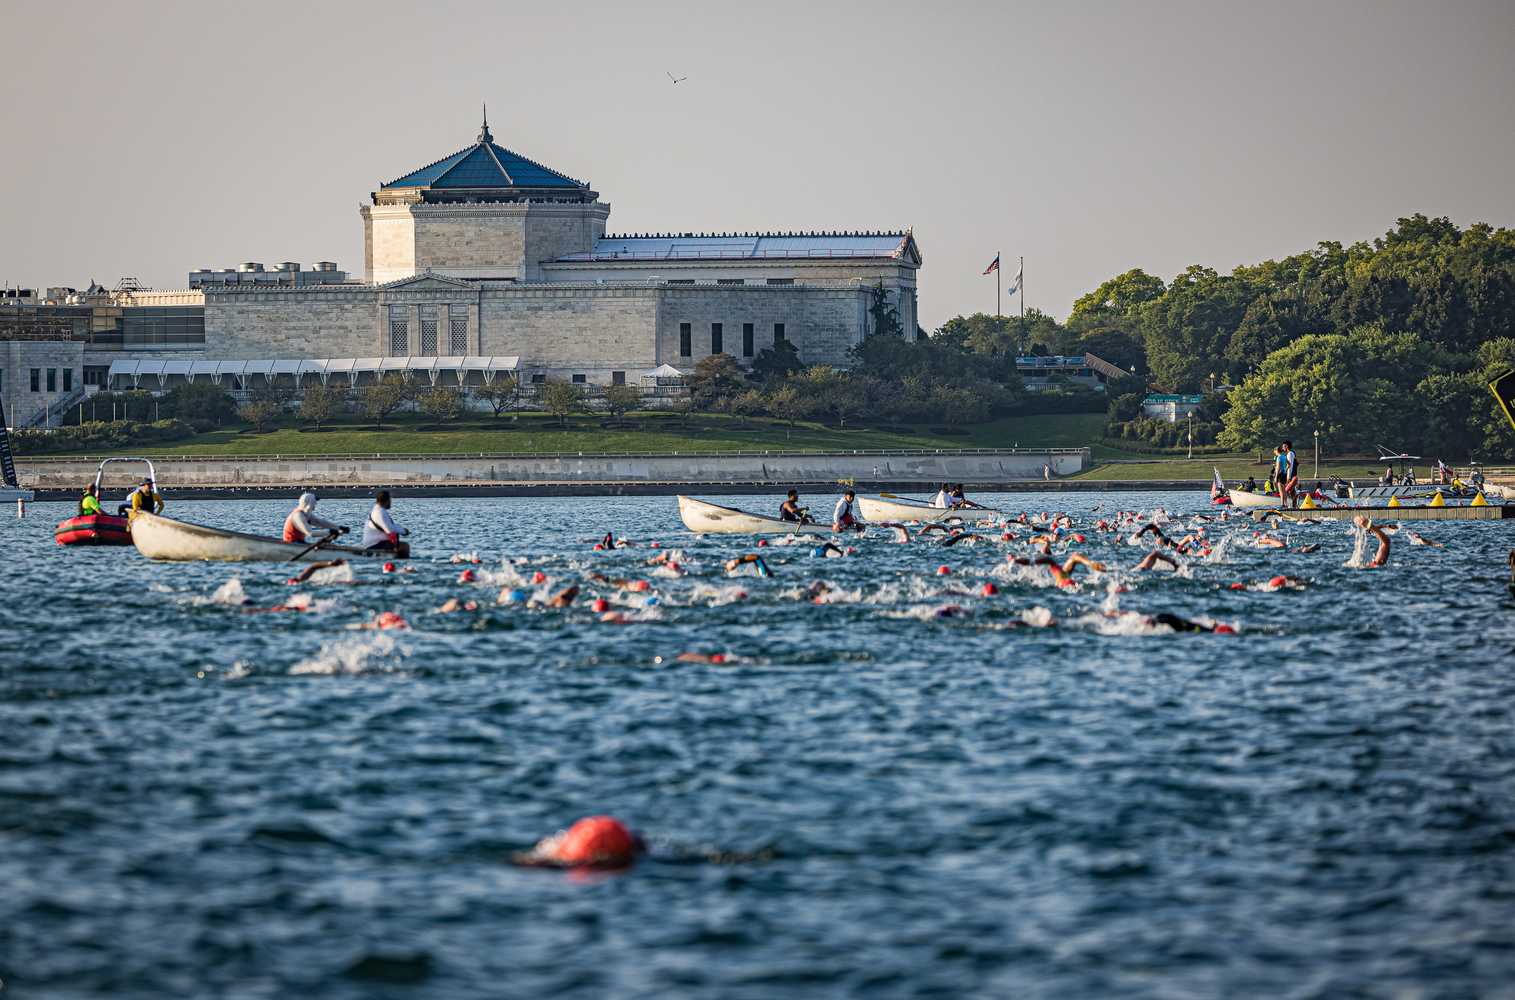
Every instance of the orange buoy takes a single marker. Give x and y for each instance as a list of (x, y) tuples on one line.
[(595, 840), (944, 571)]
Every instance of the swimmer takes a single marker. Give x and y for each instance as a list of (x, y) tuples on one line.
[(1262, 541), (962, 536), (386, 620), (592, 842), (1304, 549), (1416, 539), (756, 561), (1381, 557), (1178, 624), (827, 550), (717, 658), (818, 589), (1151, 560), (453, 604), (564, 597), (310, 571), (931, 526)]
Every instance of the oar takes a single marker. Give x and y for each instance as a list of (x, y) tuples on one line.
[(896, 496), (318, 543)]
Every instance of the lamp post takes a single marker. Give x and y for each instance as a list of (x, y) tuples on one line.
[(1190, 418), (1317, 453)]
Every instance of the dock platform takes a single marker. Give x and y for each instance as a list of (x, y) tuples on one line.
[(1492, 512)]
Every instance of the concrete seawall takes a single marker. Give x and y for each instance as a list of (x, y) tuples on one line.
[(981, 467)]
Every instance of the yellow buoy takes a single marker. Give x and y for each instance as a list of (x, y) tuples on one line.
[(1438, 500), (1479, 501), (1309, 503), (1393, 501)]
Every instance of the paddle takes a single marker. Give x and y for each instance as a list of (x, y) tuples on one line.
[(318, 543), (896, 496)]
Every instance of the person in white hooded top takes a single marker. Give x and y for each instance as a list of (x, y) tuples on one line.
[(303, 522)]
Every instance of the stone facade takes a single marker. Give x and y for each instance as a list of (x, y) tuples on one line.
[(19, 358)]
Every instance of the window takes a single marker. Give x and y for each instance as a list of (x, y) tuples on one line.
[(538, 378), (428, 338), (715, 338), (617, 378), (780, 281), (457, 342), (579, 380), (399, 337), (778, 334), (686, 345), (746, 340), (36, 380), (731, 281), (680, 281), (97, 375), (52, 380), (68, 380)]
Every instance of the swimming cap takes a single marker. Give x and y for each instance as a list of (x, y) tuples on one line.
[(943, 570), (390, 619), (389, 567), (515, 595), (989, 590), (539, 577), (1279, 581), (599, 605), (596, 840), (466, 576)]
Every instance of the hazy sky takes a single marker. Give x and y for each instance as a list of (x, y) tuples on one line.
[(150, 139)]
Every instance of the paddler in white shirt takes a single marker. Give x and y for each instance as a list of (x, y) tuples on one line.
[(380, 532)]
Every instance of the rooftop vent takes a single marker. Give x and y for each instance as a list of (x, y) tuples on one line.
[(251, 265), (326, 265)]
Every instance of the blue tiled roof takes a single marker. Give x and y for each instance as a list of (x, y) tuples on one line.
[(485, 165), (727, 246)]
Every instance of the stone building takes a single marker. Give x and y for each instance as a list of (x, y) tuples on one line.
[(487, 253)]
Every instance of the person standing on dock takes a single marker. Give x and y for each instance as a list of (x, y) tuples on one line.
[(1288, 476)]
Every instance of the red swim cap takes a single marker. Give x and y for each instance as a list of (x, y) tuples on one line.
[(762, 542), (989, 590), (652, 545), (599, 605), (1238, 586), (638, 586), (467, 576), (390, 619), (1224, 630), (1279, 581), (539, 577), (389, 567), (1078, 538), (596, 840), (598, 547), (943, 570)]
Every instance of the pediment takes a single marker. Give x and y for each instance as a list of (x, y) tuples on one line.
[(426, 282)]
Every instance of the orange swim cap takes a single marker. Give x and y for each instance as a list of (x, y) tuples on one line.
[(390, 619), (943, 570), (1279, 581), (596, 840)]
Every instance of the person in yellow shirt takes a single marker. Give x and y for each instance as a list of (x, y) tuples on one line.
[(90, 502), (145, 497)]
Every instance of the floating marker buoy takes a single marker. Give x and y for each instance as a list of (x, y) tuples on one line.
[(1479, 501), (1438, 500), (595, 840), (1309, 503), (1393, 501)]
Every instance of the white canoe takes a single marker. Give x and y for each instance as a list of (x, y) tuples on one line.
[(713, 519), (879, 509), (163, 538), (1241, 498)]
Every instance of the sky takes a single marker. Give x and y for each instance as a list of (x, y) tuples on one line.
[(150, 139)]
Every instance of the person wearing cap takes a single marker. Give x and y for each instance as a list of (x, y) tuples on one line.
[(303, 522), (381, 533), (90, 502), (145, 497)]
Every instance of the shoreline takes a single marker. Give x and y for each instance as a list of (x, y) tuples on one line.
[(652, 489)]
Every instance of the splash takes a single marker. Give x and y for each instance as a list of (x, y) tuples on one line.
[(229, 594), (353, 655)]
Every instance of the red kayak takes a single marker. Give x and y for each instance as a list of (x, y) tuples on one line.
[(93, 529)]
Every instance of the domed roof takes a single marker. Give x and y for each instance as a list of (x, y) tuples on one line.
[(487, 167)]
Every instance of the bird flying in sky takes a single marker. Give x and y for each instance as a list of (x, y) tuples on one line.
[(676, 79)]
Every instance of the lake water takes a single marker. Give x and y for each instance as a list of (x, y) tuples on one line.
[(1043, 796)]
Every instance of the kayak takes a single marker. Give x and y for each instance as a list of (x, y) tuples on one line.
[(879, 509), (93, 529), (164, 539), (713, 519)]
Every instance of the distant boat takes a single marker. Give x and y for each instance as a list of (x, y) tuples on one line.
[(899, 509), (10, 488), (712, 519)]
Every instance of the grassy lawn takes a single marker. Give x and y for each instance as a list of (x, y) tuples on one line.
[(535, 433)]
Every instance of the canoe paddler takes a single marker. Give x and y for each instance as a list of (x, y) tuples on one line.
[(303, 522), (790, 509), (381, 533), (842, 519), (89, 504)]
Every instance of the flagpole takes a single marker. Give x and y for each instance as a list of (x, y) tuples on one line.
[(1020, 282), (999, 273)]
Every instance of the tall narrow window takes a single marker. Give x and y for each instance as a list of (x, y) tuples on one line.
[(52, 380), (617, 378), (428, 338), (399, 333), (746, 340), (778, 334), (36, 380), (457, 341), (68, 380), (715, 338), (686, 341)]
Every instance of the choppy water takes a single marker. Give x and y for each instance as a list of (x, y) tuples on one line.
[(198, 800)]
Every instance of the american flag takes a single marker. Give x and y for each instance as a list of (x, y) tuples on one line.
[(993, 266)]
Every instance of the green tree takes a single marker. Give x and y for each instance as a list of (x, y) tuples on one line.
[(826, 391), (1119, 297), (321, 403), (621, 399), (562, 400), (883, 318), (715, 381), (442, 403), (199, 401), (500, 393), (778, 361), (259, 412), (381, 398)]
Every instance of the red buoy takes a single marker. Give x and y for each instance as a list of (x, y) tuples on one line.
[(943, 570), (595, 840)]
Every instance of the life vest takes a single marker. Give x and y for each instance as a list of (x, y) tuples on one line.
[(292, 532)]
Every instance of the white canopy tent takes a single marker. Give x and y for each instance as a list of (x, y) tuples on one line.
[(160, 371)]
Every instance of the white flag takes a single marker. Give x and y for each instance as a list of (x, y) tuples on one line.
[(1015, 285)]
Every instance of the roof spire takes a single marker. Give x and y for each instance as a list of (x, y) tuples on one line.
[(484, 135)]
